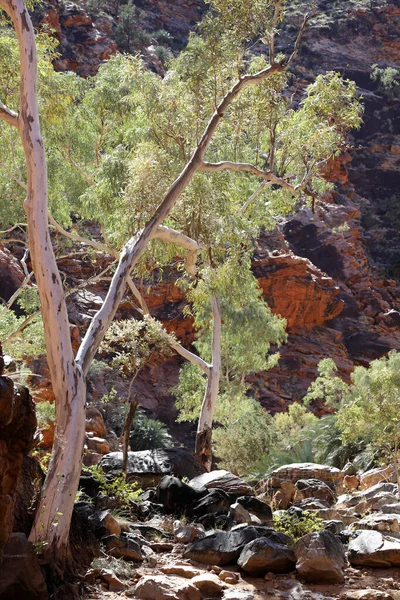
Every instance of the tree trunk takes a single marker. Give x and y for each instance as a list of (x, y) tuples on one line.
[(125, 434), (204, 428), (53, 518)]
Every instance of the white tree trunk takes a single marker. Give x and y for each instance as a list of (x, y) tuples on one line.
[(204, 428), (52, 523)]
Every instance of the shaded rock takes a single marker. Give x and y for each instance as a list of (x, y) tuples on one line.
[(222, 480), (174, 494), (104, 524), (284, 496), (311, 504), (262, 510), (373, 549), (222, 548), (216, 501), (17, 429), (320, 558), (334, 526), (29, 482), (148, 467), (160, 587), (123, 547), (216, 521), (20, 574), (265, 555)]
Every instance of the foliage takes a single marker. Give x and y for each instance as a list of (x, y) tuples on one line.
[(30, 340), (294, 525), (148, 434), (328, 387), (116, 487), (45, 414), (386, 78), (239, 444)]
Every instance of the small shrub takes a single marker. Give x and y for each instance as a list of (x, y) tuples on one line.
[(116, 487), (45, 414), (296, 526)]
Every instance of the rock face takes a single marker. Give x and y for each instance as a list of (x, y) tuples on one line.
[(20, 574), (17, 428)]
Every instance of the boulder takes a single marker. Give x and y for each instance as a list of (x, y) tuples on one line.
[(373, 476), (161, 587), (210, 585), (98, 445), (256, 507), (114, 584), (239, 513), (265, 555), (222, 548), (186, 571), (216, 501), (185, 534), (293, 472), (148, 467), (104, 524), (373, 549), (238, 594), (223, 480), (175, 495), (123, 547), (312, 488), (94, 422), (284, 495), (351, 482), (379, 522), (320, 558), (20, 574)]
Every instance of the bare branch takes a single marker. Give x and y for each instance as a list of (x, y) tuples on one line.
[(249, 168), (296, 47), (11, 176), (254, 195), (5, 231), (172, 236), (8, 115)]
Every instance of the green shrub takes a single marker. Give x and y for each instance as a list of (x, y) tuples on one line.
[(115, 487), (45, 414), (296, 526)]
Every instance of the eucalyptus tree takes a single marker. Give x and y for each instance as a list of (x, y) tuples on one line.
[(216, 100)]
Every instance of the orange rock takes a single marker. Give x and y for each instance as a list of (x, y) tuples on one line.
[(47, 436), (351, 482), (94, 422), (98, 445)]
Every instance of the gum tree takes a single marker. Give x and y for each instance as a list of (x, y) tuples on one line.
[(219, 87)]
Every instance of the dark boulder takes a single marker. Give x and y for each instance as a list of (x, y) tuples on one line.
[(265, 555), (20, 574), (148, 467), (216, 501), (222, 548), (175, 495), (256, 507)]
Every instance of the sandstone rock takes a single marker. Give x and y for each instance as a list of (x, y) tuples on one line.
[(374, 476), (265, 555), (94, 422), (148, 467), (160, 587), (320, 558), (209, 585), (114, 584), (330, 475), (222, 480), (313, 488), (17, 429), (373, 549), (351, 482), (186, 571), (228, 577), (222, 548), (20, 574), (285, 494), (123, 547), (379, 522), (98, 445)]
